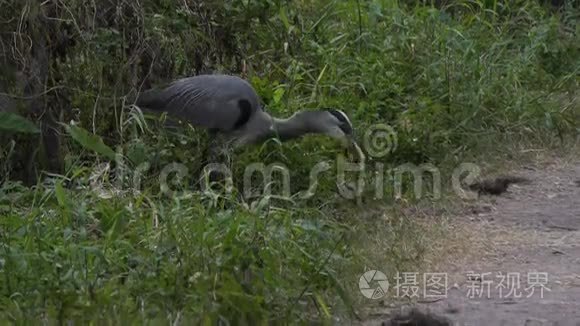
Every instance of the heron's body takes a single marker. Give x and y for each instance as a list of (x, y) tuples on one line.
[(221, 103), (230, 105)]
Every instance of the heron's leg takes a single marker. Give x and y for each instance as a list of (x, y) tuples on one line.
[(213, 146), (218, 153), (219, 161)]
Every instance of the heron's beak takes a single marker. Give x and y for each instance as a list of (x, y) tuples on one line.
[(353, 145)]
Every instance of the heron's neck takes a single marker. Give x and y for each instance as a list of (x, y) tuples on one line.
[(298, 125)]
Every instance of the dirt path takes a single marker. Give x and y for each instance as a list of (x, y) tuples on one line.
[(532, 231)]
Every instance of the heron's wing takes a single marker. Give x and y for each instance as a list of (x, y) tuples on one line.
[(217, 102)]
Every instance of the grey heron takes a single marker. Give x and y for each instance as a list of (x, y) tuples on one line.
[(229, 105)]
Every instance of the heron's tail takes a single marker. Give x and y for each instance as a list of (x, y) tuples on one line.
[(152, 99), (156, 101)]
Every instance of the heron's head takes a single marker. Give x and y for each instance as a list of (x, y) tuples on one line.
[(340, 127)]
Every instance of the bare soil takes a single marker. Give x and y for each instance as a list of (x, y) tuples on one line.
[(532, 230)]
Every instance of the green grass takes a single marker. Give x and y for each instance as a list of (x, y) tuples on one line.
[(82, 255), (455, 83), (68, 254)]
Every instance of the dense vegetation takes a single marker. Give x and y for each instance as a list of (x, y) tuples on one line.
[(81, 242)]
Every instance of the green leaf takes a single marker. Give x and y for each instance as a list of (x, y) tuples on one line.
[(16, 123), (60, 194), (90, 141), (284, 18), (62, 200), (322, 306), (278, 93)]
